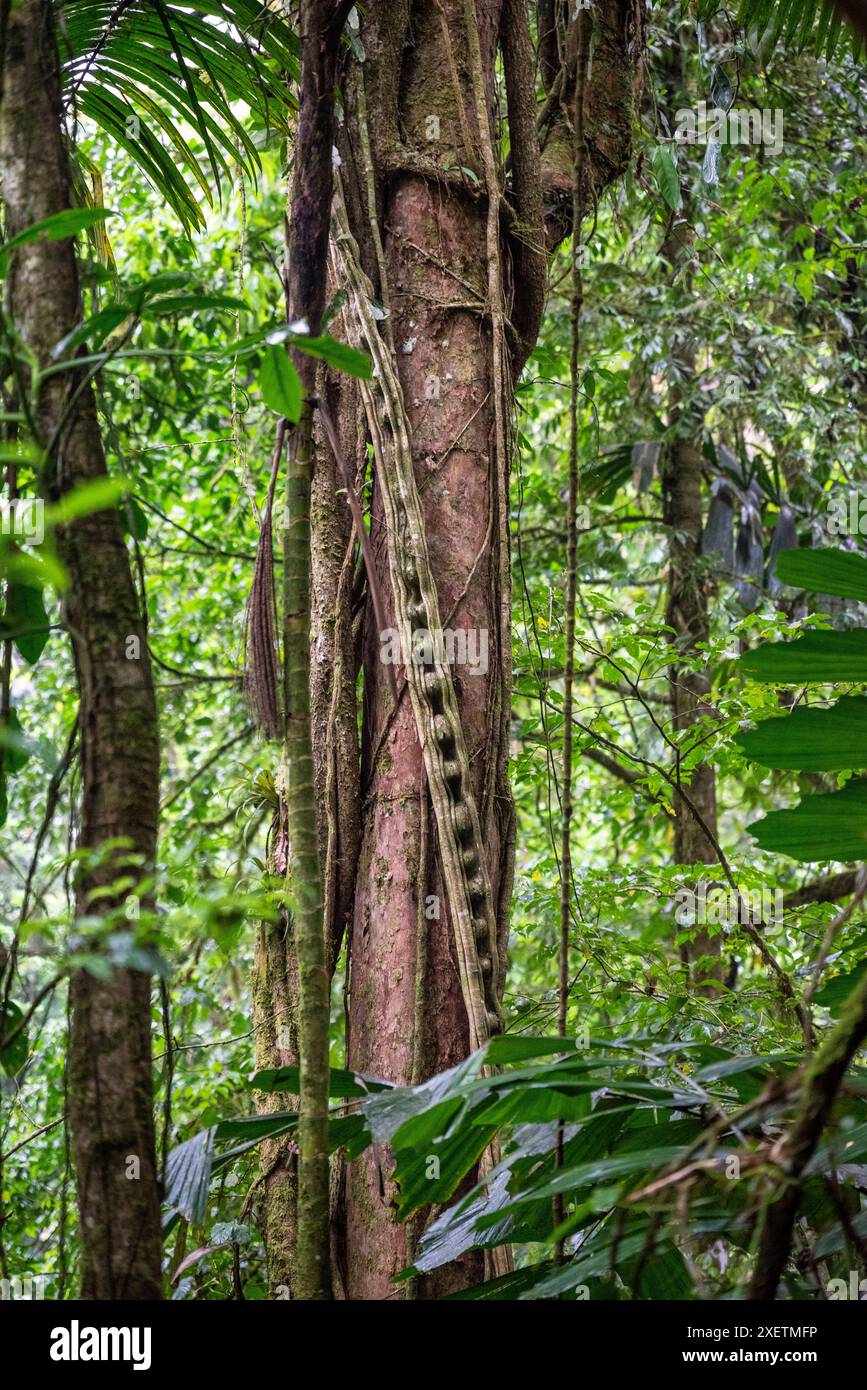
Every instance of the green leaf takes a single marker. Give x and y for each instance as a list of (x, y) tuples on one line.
[(840, 1237), (26, 622), (280, 384), (134, 519), (505, 1289), (13, 1055), (14, 747), (833, 826), (800, 23), (96, 496), (188, 303), (514, 1047), (257, 1126), (812, 739), (36, 570), (836, 991), (815, 656), (664, 1276), (431, 1174), (94, 330), (825, 571), (325, 349), (338, 355), (457, 1229), (733, 1066), (665, 172), (188, 1175), (145, 73), (60, 225), (341, 1083)]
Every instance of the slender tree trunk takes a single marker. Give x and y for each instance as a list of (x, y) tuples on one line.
[(110, 1080), (695, 819), (687, 613), (695, 822), (275, 1027), (321, 25)]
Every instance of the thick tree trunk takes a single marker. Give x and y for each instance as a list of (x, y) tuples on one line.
[(110, 1081), (457, 276), (453, 280), (434, 251)]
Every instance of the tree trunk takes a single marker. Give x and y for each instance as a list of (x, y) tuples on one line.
[(417, 166), (110, 1080), (694, 800), (458, 275), (435, 256), (687, 613), (822, 1078), (321, 23)]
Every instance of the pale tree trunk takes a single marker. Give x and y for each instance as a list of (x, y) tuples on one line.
[(110, 1079), (694, 800)]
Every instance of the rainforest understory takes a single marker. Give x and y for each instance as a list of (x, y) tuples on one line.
[(433, 650)]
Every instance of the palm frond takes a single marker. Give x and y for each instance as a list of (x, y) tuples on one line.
[(814, 24), (158, 77)]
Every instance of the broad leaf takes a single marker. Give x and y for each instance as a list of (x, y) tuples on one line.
[(280, 384), (665, 172), (833, 826), (26, 622), (826, 571), (812, 739), (815, 656)]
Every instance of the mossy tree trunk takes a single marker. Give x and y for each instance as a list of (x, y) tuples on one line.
[(321, 24), (110, 1079)]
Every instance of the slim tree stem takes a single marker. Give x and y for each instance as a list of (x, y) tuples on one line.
[(584, 23), (307, 250)]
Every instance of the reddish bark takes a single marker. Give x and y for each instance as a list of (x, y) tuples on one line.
[(436, 256), (431, 216)]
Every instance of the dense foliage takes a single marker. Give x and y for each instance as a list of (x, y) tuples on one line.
[(657, 1123)]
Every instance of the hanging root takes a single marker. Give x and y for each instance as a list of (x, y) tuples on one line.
[(260, 645)]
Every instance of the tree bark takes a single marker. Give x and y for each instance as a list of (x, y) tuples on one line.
[(687, 614), (423, 227), (321, 25), (110, 1079), (414, 175), (823, 1076), (435, 258), (694, 800)]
